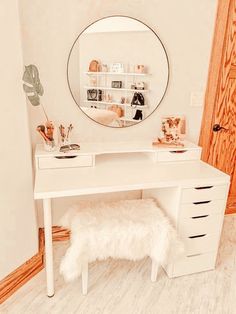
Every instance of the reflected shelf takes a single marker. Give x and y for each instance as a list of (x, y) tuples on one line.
[(129, 120), (118, 89), (117, 73), (114, 103)]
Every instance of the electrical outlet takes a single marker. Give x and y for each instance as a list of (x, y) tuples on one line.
[(197, 99)]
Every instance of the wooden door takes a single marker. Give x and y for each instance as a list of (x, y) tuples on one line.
[(219, 147)]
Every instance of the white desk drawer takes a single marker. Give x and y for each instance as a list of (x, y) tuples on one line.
[(179, 155), (69, 162), (202, 243), (201, 208), (209, 224), (193, 264), (204, 193)]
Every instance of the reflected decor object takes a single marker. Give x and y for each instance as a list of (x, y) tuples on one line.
[(116, 84), (117, 67), (139, 85), (94, 94), (94, 66), (139, 68), (111, 59)]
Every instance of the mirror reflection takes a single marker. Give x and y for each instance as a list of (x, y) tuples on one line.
[(118, 71)]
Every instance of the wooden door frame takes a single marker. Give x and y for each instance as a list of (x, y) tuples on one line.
[(218, 46), (219, 72)]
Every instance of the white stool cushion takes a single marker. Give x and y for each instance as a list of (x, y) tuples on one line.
[(130, 229)]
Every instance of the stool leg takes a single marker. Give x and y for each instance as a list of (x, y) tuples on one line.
[(85, 278), (155, 267)]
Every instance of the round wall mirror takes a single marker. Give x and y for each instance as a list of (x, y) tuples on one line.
[(118, 71)]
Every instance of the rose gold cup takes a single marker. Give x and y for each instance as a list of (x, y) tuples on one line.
[(139, 68)]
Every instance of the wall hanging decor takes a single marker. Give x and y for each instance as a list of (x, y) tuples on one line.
[(32, 86), (34, 90)]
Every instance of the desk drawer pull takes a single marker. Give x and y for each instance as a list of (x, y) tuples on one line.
[(65, 157), (178, 151), (204, 187), (198, 236), (203, 202), (197, 217), (193, 255)]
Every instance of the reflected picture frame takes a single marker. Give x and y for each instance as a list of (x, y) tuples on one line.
[(117, 67), (116, 84)]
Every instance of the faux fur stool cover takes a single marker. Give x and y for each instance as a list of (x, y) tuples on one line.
[(130, 229)]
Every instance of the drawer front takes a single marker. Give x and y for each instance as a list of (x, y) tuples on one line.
[(72, 162), (179, 155), (201, 208), (196, 225), (202, 243), (193, 264), (204, 193)]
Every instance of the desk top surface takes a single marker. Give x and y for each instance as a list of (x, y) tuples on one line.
[(124, 174), (118, 147)]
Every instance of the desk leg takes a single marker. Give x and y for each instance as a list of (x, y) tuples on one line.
[(48, 246)]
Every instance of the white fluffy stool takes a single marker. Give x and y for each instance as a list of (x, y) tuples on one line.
[(130, 229)]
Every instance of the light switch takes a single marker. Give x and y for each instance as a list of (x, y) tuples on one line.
[(197, 99)]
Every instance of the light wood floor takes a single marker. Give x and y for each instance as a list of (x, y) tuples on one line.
[(122, 287)]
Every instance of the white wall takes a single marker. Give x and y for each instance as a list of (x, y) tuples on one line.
[(49, 29), (18, 229), (119, 24)]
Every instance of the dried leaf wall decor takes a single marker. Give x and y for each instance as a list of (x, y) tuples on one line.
[(32, 86)]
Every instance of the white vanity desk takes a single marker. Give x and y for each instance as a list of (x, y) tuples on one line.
[(192, 193)]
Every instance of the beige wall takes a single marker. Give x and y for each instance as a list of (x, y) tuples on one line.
[(185, 27), (49, 29), (18, 229)]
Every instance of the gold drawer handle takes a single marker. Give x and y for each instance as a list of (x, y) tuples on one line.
[(204, 187)]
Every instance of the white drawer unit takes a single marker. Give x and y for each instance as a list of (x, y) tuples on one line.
[(199, 223), (179, 155), (56, 162)]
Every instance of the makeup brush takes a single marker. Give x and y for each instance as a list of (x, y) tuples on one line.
[(41, 130), (50, 130), (62, 132), (70, 128)]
